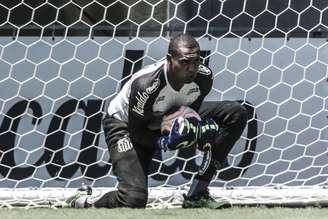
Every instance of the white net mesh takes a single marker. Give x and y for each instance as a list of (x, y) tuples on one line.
[(62, 61)]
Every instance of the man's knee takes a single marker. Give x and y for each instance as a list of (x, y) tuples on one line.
[(233, 113), (241, 113), (133, 198)]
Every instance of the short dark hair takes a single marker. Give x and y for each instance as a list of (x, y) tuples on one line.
[(182, 39)]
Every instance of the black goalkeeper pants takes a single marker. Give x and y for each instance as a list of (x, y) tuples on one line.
[(231, 117), (131, 163)]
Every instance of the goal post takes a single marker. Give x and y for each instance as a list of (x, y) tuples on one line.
[(169, 197), (61, 62)]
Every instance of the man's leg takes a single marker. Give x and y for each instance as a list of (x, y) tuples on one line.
[(130, 165), (231, 118)]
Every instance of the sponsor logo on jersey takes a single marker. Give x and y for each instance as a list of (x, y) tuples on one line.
[(124, 144), (204, 70), (153, 87), (144, 96), (193, 90), (141, 101)]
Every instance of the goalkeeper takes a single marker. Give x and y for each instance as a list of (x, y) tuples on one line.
[(133, 120)]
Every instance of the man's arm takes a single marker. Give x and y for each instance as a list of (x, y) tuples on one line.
[(140, 134), (140, 114)]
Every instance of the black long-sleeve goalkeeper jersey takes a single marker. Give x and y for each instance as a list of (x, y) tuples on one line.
[(147, 96)]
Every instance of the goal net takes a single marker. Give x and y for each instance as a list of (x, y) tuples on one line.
[(62, 61)]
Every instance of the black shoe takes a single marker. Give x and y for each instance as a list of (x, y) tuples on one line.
[(201, 200)]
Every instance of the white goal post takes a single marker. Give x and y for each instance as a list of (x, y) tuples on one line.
[(292, 196), (61, 62)]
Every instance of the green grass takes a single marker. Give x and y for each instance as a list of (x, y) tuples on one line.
[(232, 213)]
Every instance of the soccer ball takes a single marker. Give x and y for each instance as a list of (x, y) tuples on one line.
[(175, 112)]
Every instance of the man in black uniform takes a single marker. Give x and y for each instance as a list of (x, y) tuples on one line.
[(132, 127)]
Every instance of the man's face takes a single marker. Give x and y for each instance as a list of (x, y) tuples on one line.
[(184, 64)]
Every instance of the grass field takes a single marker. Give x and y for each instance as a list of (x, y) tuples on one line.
[(232, 213)]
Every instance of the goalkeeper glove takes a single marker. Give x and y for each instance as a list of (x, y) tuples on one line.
[(183, 134), (207, 130)]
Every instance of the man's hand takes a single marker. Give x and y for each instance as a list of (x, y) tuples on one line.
[(207, 131), (183, 134)]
